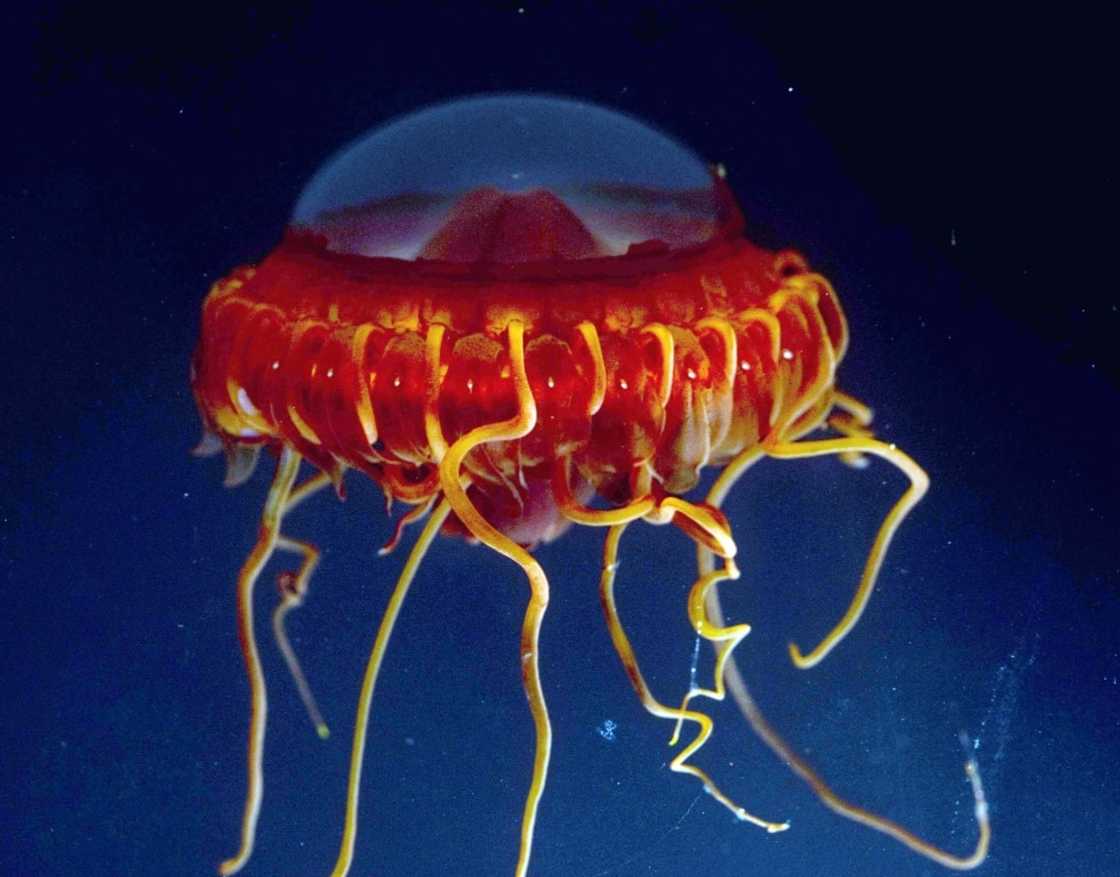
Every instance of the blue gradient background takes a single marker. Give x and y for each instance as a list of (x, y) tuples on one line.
[(148, 157)]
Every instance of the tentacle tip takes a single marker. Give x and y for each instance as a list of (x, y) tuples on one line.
[(323, 731), (241, 462), (777, 827), (208, 445), (339, 485), (798, 659)]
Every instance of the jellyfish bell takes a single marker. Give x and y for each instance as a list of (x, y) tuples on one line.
[(511, 179)]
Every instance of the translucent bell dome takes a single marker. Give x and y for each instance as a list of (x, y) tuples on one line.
[(510, 179)]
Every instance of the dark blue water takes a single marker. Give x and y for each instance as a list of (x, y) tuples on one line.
[(149, 158)]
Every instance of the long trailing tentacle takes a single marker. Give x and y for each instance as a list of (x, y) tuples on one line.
[(709, 529), (267, 536), (293, 589), (451, 481), (704, 524), (578, 513), (735, 683), (919, 483), (625, 651), (705, 562), (301, 492), (724, 639), (860, 412), (854, 420), (858, 814), (369, 682)]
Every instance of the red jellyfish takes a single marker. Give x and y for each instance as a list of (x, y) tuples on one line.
[(499, 309)]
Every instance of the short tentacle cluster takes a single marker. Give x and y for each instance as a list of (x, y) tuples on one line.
[(642, 388)]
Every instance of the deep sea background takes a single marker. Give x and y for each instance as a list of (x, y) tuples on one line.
[(943, 166)]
